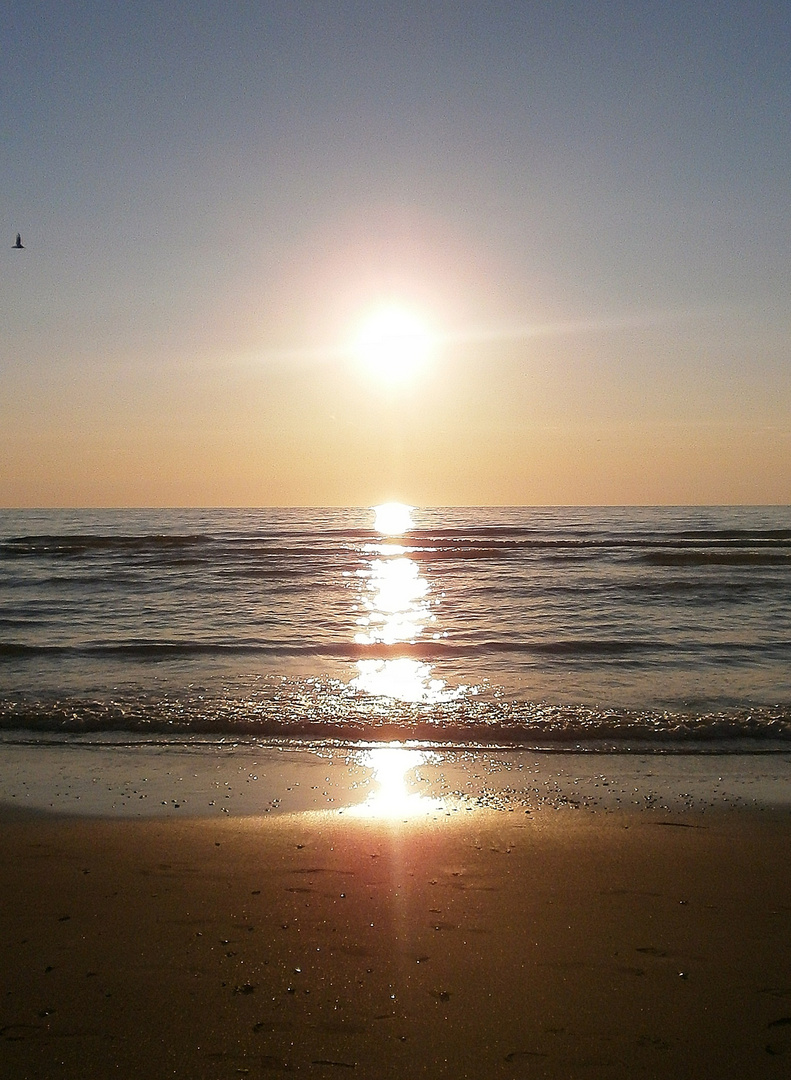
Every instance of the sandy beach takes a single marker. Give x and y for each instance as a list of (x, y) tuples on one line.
[(561, 940)]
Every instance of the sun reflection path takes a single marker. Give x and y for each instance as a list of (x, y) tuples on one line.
[(403, 679), (392, 798), (396, 609)]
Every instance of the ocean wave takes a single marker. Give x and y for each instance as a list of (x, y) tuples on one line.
[(422, 545), (343, 651), (647, 606), (572, 649), (718, 558), (317, 709)]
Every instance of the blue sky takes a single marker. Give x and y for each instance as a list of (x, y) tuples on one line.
[(589, 201)]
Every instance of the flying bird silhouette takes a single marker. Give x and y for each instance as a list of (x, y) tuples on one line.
[(19, 246)]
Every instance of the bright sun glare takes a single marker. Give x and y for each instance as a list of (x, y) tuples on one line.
[(393, 518), (393, 343), (391, 797)]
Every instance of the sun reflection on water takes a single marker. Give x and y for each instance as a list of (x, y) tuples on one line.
[(396, 609), (395, 603), (403, 679)]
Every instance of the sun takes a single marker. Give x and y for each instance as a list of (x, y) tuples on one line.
[(393, 518), (393, 343)]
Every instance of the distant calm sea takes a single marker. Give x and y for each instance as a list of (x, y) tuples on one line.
[(618, 628)]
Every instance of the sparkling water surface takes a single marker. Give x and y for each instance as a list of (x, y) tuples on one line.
[(558, 626)]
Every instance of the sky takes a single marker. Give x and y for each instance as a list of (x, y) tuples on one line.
[(586, 206)]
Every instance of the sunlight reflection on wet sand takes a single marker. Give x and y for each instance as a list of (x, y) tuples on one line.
[(392, 797)]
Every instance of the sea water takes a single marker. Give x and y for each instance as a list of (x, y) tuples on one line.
[(623, 628)]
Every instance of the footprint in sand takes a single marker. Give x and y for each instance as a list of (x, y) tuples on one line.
[(520, 1055)]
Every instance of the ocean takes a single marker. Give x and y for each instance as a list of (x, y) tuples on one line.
[(624, 629)]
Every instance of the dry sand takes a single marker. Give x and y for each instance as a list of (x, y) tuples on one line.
[(492, 944)]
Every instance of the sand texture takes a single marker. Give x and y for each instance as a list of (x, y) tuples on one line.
[(554, 944)]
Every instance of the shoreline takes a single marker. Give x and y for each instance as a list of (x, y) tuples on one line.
[(177, 780)]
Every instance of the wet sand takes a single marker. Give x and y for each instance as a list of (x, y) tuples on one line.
[(491, 939)]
